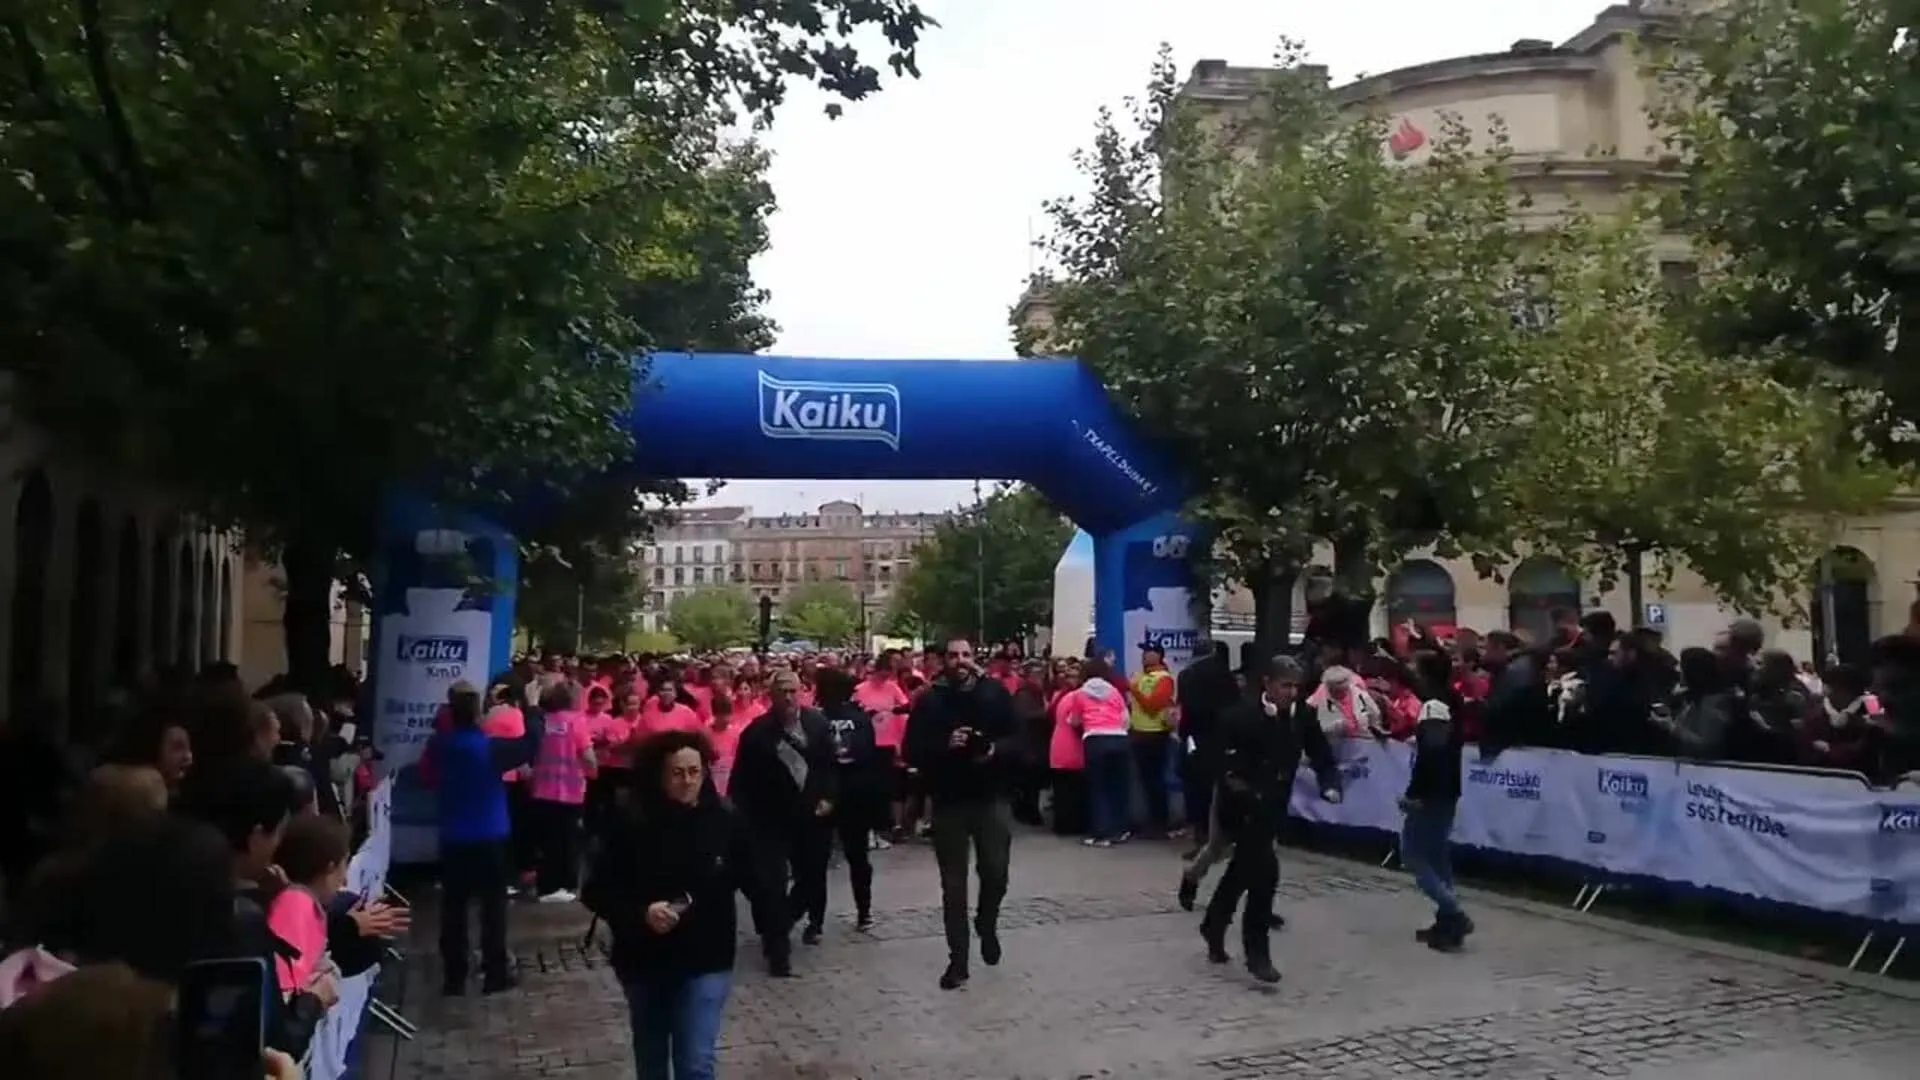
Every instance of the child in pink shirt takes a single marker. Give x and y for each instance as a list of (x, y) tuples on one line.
[(313, 854)]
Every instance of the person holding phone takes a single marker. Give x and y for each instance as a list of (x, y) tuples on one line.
[(962, 739), (673, 856)]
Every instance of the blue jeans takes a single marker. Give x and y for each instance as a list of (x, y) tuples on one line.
[(1425, 850), (1109, 785), (676, 1025)]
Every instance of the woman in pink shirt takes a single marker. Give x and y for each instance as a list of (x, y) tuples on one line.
[(610, 734), (1067, 759), (313, 855), (665, 712), (723, 731), (883, 699), (561, 769)]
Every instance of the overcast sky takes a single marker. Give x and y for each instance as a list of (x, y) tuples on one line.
[(904, 226)]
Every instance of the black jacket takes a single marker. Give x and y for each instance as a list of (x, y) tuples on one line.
[(1207, 691), (667, 851), (856, 752), (1261, 753), (1438, 746), (763, 788), (978, 770)]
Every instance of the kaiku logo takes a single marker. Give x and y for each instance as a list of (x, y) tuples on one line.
[(432, 650), (1518, 784), (1903, 820), (1114, 457), (830, 412)]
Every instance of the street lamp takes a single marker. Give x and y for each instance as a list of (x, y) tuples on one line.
[(766, 623)]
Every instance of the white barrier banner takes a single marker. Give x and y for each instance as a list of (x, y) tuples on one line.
[(330, 1052), (1811, 840)]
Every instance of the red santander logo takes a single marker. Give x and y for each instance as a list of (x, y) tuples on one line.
[(1405, 140)]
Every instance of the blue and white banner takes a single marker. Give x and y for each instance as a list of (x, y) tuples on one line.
[(1809, 839), (332, 1048)]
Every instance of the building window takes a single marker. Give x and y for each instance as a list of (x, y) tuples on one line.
[(679, 554), (759, 571), (699, 575), (658, 599), (813, 571), (840, 569), (679, 575), (886, 572), (719, 553), (699, 555)]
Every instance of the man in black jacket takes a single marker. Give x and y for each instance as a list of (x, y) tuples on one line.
[(1433, 792), (1262, 741), (1206, 691), (962, 738), (785, 783)]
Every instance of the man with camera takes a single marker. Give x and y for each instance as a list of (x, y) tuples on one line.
[(962, 739)]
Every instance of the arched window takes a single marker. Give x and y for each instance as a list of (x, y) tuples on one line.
[(1538, 588), (160, 617), (186, 634), (33, 549), (1846, 606), (126, 606), (83, 620), (1421, 590), (226, 608)]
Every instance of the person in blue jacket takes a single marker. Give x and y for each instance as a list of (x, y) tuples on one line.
[(467, 767)]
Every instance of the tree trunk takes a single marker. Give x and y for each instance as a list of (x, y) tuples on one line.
[(307, 619), (1636, 586), (1351, 608), (1272, 614)]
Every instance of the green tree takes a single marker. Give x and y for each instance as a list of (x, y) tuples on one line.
[(714, 617), (591, 600), (1794, 121), (1325, 337), (1644, 447), (989, 569), (824, 612), (282, 259)]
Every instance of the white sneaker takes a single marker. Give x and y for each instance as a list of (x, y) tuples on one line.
[(559, 896), (881, 843)]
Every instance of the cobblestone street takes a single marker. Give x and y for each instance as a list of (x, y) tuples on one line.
[(1105, 978)]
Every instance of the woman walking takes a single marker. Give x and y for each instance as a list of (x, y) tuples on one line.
[(663, 883)]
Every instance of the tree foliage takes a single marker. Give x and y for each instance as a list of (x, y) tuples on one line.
[(714, 617), (990, 568), (1641, 444), (823, 612), (281, 259), (1325, 336), (592, 599), (1796, 121)]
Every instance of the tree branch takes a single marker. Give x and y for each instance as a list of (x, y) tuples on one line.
[(33, 68), (94, 38)]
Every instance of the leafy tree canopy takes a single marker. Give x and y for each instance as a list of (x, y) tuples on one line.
[(715, 617), (1002, 552), (282, 258), (592, 599), (1326, 337), (1643, 444), (1796, 121), (823, 612)]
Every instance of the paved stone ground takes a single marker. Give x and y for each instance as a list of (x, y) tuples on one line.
[(1104, 979)]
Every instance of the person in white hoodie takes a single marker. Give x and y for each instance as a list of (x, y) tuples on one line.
[(1098, 711)]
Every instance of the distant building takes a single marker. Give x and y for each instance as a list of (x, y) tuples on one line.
[(694, 550), (869, 553)]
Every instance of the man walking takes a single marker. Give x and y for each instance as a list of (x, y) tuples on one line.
[(1206, 691), (1262, 743), (962, 739), (785, 784)]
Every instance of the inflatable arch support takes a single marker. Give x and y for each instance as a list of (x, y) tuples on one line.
[(1046, 422)]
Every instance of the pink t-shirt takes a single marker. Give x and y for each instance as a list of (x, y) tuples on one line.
[(504, 722), (1065, 750), (725, 743), (654, 719), (559, 774), (698, 698), (613, 740), (880, 697), (296, 918)]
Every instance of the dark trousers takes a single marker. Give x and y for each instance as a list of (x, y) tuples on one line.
[(1029, 782), (556, 830), (790, 879), (984, 828), (523, 852), (470, 874), (1253, 874), (1199, 773), (853, 827), (1069, 802), (1150, 760)]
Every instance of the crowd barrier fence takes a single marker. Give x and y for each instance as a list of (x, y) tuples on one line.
[(332, 1055), (1816, 839)]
